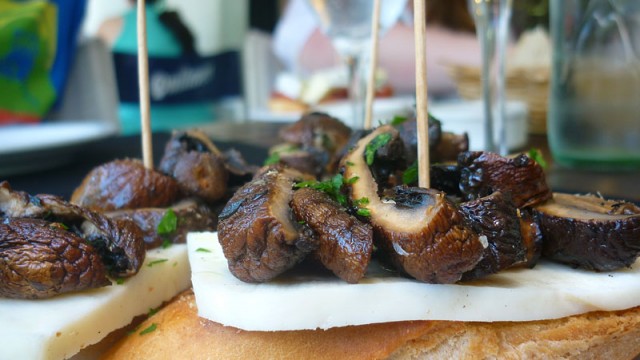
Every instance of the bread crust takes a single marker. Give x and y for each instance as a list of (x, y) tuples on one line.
[(180, 333)]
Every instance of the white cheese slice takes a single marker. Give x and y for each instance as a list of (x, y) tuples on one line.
[(60, 327), (295, 303)]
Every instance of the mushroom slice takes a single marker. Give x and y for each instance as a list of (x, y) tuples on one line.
[(119, 242), (197, 164), (421, 231), (445, 177), (321, 136), (496, 219), (408, 133), (531, 237), (40, 259), (240, 171), (256, 229), (306, 160), (483, 173), (345, 243), (449, 147), (190, 215), (125, 184), (317, 130), (590, 232)]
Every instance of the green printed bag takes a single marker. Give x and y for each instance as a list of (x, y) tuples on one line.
[(27, 53)]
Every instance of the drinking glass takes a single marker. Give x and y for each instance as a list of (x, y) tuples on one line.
[(593, 115), (492, 18), (348, 24)]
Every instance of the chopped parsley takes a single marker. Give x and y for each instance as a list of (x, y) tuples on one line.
[(410, 175), (166, 243), (331, 187), (398, 120), (169, 223), (375, 144), (119, 281), (203, 250), (149, 329), (361, 210), (152, 311), (275, 153), (155, 262), (536, 155), (361, 201), (274, 158), (349, 163), (352, 180), (364, 212)]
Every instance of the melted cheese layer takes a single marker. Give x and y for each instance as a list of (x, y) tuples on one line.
[(60, 327), (296, 303)]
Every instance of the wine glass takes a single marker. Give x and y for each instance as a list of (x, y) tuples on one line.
[(492, 18), (348, 24)]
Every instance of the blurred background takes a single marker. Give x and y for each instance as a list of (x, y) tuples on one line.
[(240, 69), (215, 60)]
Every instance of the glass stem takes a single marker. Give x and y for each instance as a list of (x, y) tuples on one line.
[(487, 95), (499, 78), (356, 91), (492, 19)]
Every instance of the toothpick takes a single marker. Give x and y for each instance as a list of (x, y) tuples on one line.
[(422, 118), (371, 84), (143, 84)]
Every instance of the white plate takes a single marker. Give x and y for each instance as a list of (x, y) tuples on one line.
[(25, 148), (384, 109), (461, 116)]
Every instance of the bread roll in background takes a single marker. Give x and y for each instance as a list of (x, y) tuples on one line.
[(180, 334)]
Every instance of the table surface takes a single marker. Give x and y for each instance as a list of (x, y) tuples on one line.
[(252, 139)]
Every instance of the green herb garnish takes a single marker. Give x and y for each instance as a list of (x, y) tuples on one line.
[(133, 331), (349, 163), (364, 212), (203, 250), (536, 155), (410, 175), (274, 158), (150, 329), (119, 281), (166, 243), (169, 223), (352, 180), (275, 154), (155, 262), (375, 144), (326, 142), (398, 120), (361, 201), (152, 311), (331, 187)]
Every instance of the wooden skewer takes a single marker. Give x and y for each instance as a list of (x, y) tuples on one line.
[(143, 84), (371, 84), (422, 118)]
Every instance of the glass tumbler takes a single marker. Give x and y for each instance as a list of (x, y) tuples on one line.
[(593, 119)]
